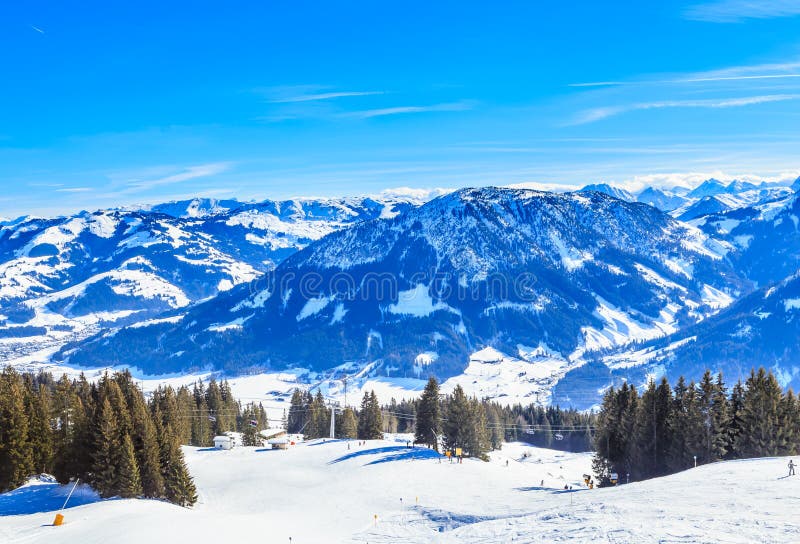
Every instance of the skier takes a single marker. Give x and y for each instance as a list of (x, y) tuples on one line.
[(791, 467)]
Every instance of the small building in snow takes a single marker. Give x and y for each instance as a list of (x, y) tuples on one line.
[(267, 434), (281, 443), (225, 442)]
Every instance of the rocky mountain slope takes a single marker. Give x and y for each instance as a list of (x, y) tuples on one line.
[(529, 273), (509, 292), (65, 278)]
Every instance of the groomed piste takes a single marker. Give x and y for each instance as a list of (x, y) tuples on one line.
[(383, 491)]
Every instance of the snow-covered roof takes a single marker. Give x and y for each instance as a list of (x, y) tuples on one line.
[(266, 433)]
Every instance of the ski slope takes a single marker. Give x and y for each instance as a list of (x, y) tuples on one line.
[(329, 492)]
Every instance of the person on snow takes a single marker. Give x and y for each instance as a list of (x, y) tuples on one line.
[(791, 467)]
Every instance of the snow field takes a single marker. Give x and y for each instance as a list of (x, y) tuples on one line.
[(323, 492)]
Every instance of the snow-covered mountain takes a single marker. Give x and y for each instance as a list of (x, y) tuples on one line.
[(65, 278), (513, 293), (724, 202), (711, 196), (709, 187), (616, 192), (764, 237), (760, 329), (662, 199), (531, 274)]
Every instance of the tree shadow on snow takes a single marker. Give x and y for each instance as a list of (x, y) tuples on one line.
[(407, 455), (46, 497), (399, 453)]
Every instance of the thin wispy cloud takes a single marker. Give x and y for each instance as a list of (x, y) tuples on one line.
[(309, 93), (74, 190), (787, 70), (597, 114), (737, 11), (323, 96), (185, 174), (402, 110)]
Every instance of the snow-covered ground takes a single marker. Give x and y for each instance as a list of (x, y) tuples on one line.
[(332, 492)]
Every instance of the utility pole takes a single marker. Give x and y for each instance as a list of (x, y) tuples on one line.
[(333, 422)]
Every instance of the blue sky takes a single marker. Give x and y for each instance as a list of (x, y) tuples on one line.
[(117, 103)]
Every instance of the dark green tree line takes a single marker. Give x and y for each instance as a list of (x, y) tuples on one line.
[(666, 430), (104, 433)]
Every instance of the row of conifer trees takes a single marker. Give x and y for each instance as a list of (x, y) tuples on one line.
[(452, 421), (666, 429), (203, 411), (106, 434), (309, 415), (464, 427)]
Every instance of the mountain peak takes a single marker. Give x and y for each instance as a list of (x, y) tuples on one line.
[(616, 192), (709, 187)]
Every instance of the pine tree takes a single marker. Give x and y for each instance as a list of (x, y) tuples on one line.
[(720, 421), (251, 425), (477, 438), (790, 424), (251, 436), (230, 407), (348, 426), (457, 420), (64, 405), (761, 433), (319, 418), (128, 483), (296, 420), (184, 409), (650, 444), (145, 445), (216, 408), (615, 433), (202, 430), (705, 400), (16, 454), (370, 420), (735, 427), (40, 432), (80, 452), (178, 484), (686, 427), (104, 450), (429, 419), (493, 418)]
